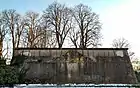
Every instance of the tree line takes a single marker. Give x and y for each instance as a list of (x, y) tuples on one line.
[(58, 23), (55, 26)]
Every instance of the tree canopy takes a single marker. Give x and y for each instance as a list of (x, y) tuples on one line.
[(57, 25)]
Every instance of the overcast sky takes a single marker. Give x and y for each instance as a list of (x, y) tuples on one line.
[(120, 18)]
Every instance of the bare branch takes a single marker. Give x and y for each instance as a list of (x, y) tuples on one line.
[(58, 17), (87, 22)]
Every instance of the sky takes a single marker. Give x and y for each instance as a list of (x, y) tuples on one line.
[(119, 18)]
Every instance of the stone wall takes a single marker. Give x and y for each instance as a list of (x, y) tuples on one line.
[(78, 66)]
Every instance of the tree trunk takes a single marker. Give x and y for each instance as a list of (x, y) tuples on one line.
[(13, 46)]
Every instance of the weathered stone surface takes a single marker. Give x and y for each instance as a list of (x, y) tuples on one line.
[(79, 66)]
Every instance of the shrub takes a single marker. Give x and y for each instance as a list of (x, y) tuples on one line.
[(138, 76), (8, 75)]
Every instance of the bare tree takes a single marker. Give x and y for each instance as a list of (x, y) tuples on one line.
[(19, 31), (120, 43), (50, 39), (3, 30), (123, 43), (74, 36), (33, 28), (11, 19), (47, 39), (58, 18), (88, 25)]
